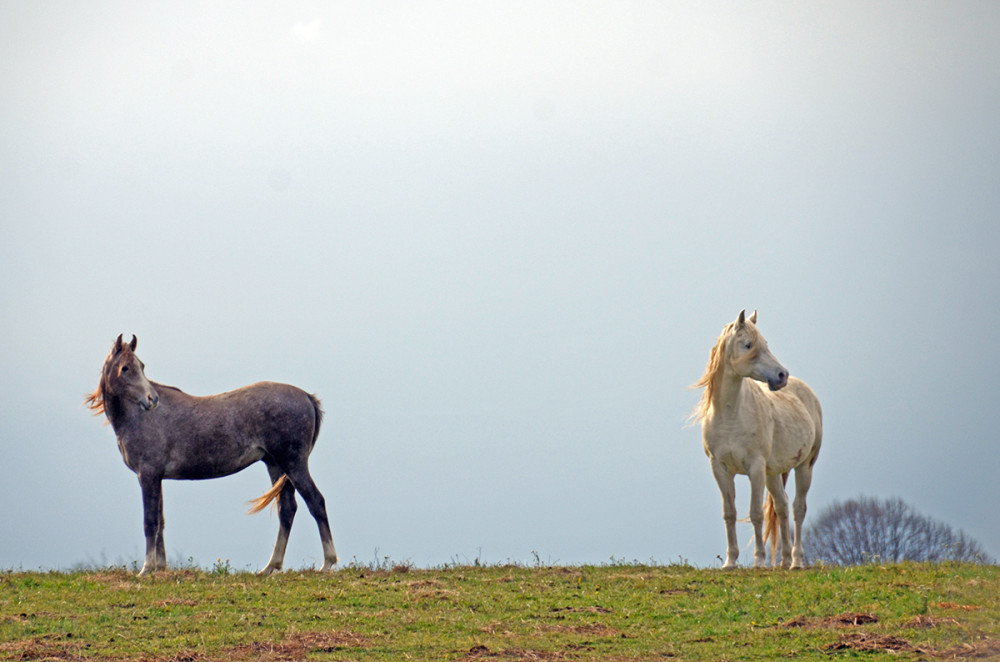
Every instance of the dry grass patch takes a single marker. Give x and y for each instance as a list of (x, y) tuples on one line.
[(480, 652), (868, 643), (293, 648)]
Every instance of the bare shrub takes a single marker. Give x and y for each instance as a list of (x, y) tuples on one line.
[(867, 529)]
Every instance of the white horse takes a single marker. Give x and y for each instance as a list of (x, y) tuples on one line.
[(760, 432)]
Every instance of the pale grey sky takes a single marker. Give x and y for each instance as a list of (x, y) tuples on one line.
[(498, 240)]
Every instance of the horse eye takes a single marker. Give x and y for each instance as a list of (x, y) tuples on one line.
[(749, 345), (124, 368)]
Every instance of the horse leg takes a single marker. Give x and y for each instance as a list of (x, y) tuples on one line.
[(152, 509), (161, 549), (286, 513), (776, 487), (803, 479), (727, 486), (757, 474), (317, 507)]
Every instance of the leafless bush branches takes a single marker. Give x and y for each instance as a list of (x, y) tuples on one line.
[(867, 529)]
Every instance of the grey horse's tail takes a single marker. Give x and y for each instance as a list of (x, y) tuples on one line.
[(273, 494), (318, 408), (265, 499), (771, 522)]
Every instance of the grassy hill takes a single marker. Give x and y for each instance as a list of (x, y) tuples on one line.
[(613, 612)]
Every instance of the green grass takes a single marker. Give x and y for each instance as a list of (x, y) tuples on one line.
[(613, 612)]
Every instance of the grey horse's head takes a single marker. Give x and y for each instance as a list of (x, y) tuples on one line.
[(124, 376)]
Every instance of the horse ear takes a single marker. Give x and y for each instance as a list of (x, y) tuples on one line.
[(741, 320), (134, 342), (118, 343), (753, 316)]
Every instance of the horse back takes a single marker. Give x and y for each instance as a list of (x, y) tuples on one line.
[(268, 408), (206, 436)]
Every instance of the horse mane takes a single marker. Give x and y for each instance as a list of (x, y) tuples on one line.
[(713, 371), (709, 380), (95, 401)]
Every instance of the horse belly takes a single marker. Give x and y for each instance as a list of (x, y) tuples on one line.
[(211, 463), (794, 437)]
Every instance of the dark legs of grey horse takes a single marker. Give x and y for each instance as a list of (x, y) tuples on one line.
[(298, 479), (152, 521), (286, 514), (299, 475), (161, 549)]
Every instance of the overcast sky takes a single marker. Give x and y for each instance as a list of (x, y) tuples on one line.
[(498, 240)]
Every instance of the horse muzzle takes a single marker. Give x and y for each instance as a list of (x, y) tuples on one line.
[(150, 401), (778, 382)]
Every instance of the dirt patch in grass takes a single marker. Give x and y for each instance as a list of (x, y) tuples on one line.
[(925, 622), (292, 648), (867, 642), (849, 618), (595, 609), (985, 649), (435, 594), (47, 647), (297, 645), (480, 652)]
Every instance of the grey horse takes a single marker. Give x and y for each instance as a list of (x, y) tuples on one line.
[(166, 433)]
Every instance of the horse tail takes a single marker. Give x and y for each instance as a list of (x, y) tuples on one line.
[(771, 522), (318, 409), (273, 494), (771, 527)]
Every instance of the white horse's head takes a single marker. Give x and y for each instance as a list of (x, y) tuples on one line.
[(747, 354), (739, 351)]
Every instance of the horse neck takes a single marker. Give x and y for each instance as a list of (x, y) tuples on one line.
[(116, 409), (729, 390)]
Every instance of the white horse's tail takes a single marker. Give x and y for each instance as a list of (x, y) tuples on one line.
[(273, 494), (771, 522)]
